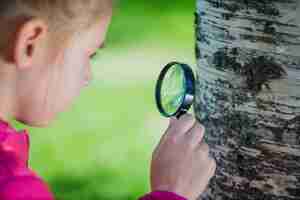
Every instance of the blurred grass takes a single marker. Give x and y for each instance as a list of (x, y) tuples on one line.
[(101, 148), (161, 22)]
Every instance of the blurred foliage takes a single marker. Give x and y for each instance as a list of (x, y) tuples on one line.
[(142, 21)]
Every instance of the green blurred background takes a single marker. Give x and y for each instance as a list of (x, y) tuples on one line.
[(101, 148)]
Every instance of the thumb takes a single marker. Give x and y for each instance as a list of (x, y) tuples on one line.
[(172, 120)]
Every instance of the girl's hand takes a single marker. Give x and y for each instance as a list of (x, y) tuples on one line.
[(181, 162)]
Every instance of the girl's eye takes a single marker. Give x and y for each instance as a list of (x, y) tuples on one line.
[(93, 56)]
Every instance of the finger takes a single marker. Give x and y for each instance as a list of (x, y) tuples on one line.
[(172, 121), (182, 125), (203, 150), (162, 140), (213, 166), (164, 136), (196, 133)]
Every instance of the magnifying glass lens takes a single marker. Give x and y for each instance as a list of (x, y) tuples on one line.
[(173, 89)]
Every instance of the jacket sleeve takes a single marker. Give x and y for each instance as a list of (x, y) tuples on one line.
[(162, 195), (25, 188)]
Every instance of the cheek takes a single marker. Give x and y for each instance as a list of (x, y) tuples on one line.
[(76, 70), (72, 73)]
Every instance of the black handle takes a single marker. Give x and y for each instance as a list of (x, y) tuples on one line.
[(182, 112)]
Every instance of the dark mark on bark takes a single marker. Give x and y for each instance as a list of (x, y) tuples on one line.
[(226, 59), (260, 71), (294, 191), (269, 28), (265, 7)]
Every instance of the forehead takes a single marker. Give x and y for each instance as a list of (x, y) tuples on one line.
[(94, 36), (96, 27), (107, 7)]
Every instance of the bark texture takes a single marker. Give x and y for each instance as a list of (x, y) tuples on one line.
[(248, 96)]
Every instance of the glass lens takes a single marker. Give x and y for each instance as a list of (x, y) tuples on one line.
[(173, 89)]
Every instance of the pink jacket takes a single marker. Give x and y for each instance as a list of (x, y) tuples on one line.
[(19, 182)]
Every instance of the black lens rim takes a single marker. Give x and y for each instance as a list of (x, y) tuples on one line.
[(189, 92)]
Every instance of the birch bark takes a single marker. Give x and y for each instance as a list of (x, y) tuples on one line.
[(248, 96)]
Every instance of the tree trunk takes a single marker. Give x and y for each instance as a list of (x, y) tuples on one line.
[(248, 96)]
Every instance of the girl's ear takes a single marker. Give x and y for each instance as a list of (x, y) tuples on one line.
[(29, 38)]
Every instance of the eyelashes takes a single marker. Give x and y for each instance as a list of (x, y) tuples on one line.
[(93, 56)]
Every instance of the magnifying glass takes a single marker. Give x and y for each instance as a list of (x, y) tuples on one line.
[(175, 90)]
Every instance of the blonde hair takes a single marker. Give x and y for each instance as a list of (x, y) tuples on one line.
[(64, 17), (58, 12)]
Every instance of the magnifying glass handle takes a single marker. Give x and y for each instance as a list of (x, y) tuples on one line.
[(183, 112)]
